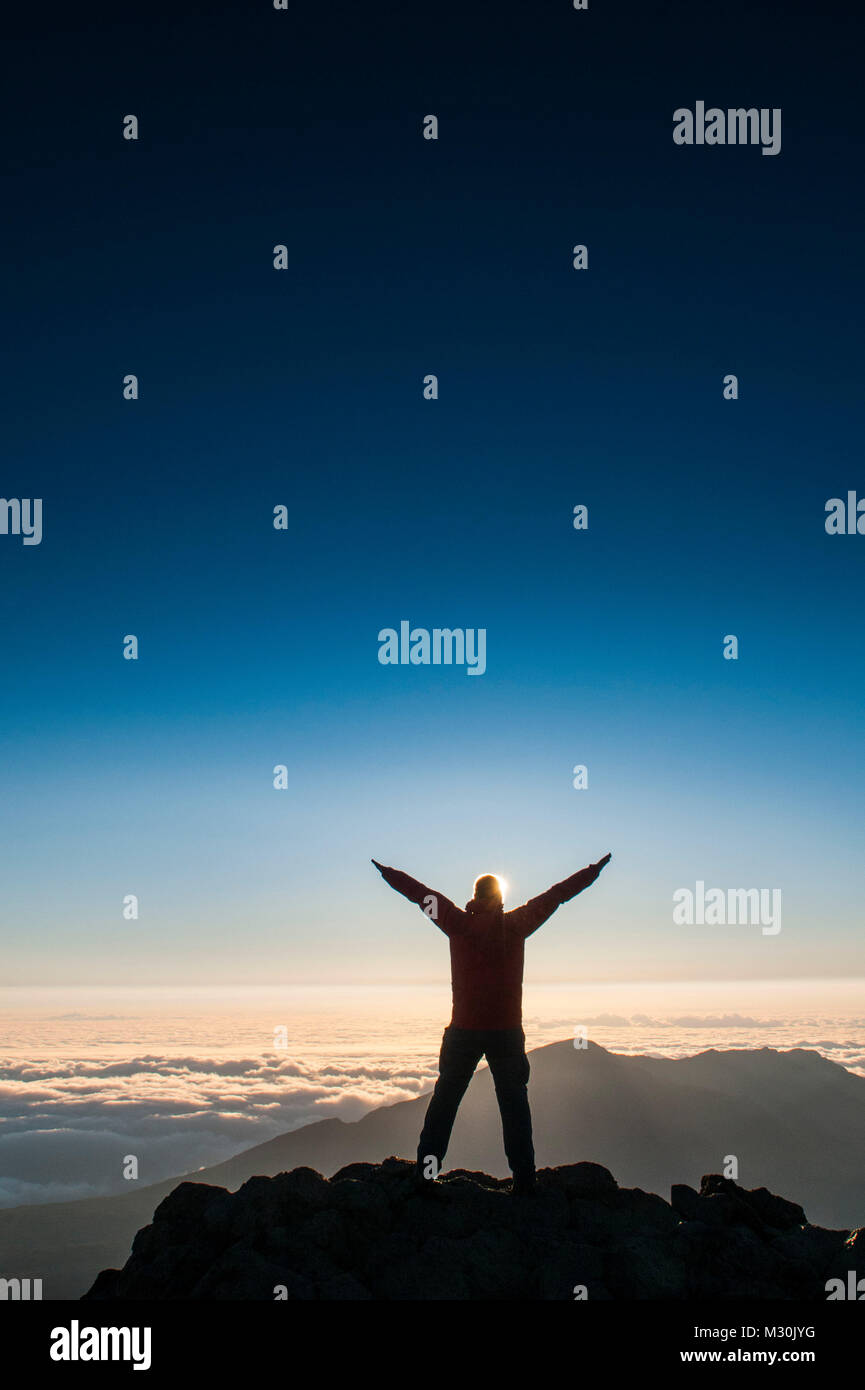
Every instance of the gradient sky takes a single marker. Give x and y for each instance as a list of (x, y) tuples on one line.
[(304, 388)]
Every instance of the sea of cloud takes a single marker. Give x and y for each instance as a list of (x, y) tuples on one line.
[(180, 1083)]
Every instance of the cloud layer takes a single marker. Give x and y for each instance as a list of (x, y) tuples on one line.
[(83, 1089)]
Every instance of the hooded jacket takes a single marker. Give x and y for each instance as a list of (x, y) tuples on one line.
[(487, 945)]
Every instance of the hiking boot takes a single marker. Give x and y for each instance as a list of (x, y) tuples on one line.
[(524, 1185)]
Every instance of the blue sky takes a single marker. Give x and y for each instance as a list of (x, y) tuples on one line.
[(304, 388)]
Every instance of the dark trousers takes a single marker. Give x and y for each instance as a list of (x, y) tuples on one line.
[(461, 1050)]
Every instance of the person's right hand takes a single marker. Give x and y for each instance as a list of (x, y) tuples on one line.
[(601, 862)]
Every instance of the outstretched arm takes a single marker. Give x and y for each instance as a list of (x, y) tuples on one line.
[(537, 910), (434, 905)]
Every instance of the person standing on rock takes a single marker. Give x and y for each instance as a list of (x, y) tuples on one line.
[(487, 953)]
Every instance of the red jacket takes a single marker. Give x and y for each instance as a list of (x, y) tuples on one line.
[(487, 945)]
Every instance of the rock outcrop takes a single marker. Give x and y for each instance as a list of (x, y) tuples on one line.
[(366, 1234)]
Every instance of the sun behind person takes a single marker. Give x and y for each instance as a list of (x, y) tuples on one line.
[(491, 887)]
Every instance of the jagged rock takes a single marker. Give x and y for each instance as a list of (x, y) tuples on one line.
[(580, 1180), (848, 1255), (368, 1234), (716, 1208), (771, 1210)]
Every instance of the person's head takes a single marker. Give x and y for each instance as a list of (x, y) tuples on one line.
[(488, 891)]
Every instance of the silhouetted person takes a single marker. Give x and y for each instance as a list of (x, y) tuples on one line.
[(487, 953)]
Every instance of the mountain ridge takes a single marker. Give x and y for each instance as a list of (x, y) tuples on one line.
[(794, 1120), (368, 1233)]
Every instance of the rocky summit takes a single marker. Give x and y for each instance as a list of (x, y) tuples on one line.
[(366, 1233)]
